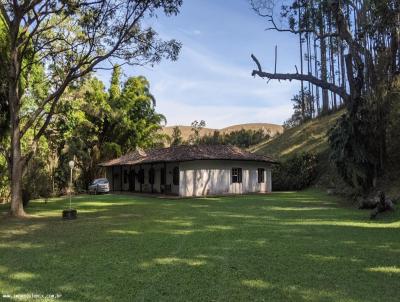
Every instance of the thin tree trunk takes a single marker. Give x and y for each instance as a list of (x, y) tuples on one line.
[(316, 74), (325, 96), (342, 66), (309, 71), (332, 62), (303, 115)]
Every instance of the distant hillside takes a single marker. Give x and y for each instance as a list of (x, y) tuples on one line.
[(309, 137), (186, 130), (312, 137)]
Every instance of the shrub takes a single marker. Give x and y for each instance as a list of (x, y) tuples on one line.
[(4, 187), (36, 181), (295, 173), (26, 197)]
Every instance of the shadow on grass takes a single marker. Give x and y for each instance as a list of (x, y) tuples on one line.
[(279, 247)]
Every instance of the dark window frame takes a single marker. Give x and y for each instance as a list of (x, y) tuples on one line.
[(141, 176), (152, 176), (163, 179), (237, 175), (175, 176), (261, 175), (125, 176)]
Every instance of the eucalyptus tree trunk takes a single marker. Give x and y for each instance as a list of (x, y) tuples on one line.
[(332, 62), (342, 66), (316, 74), (301, 67), (324, 76)]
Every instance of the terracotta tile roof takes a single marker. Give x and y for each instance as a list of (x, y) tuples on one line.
[(187, 153)]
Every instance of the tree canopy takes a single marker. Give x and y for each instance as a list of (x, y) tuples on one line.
[(66, 41)]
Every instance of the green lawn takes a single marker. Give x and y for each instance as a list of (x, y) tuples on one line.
[(281, 247)]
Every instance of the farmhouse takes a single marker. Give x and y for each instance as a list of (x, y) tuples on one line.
[(191, 171)]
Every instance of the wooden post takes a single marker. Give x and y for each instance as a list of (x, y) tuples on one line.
[(165, 177), (141, 180), (153, 176), (112, 178), (120, 177), (130, 179), (134, 178)]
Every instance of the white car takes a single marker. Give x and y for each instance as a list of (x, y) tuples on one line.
[(100, 185)]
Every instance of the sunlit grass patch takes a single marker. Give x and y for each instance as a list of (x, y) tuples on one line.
[(385, 269), (258, 284), (23, 276), (291, 246)]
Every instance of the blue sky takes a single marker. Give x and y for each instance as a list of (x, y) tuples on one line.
[(212, 78)]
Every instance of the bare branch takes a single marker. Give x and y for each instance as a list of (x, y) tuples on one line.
[(299, 77), (5, 15)]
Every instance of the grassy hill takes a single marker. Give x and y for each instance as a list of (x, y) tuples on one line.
[(312, 137), (187, 130), (309, 137)]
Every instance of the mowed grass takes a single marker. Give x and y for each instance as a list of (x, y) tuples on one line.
[(297, 246)]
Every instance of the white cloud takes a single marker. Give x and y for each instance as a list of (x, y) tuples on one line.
[(207, 84), (218, 92)]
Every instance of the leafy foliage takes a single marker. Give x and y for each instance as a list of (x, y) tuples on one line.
[(394, 121), (298, 117), (242, 138), (194, 138), (66, 41), (295, 173), (4, 180), (350, 142), (135, 122), (176, 138), (4, 110), (96, 126), (365, 41), (105, 125)]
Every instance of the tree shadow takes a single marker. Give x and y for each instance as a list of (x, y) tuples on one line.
[(278, 247)]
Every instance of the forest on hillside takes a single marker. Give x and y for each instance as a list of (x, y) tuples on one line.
[(349, 53), (243, 138)]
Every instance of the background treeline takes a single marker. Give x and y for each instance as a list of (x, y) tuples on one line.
[(92, 125), (243, 138)]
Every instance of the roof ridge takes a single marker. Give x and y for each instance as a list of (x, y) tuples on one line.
[(182, 153)]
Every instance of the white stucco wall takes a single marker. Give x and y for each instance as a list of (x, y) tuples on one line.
[(199, 178)]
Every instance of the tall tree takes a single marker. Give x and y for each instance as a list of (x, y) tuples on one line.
[(135, 123), (70, 38), (298, 116), (372, 60), (197, 126), (115, 85), (4, 108)]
